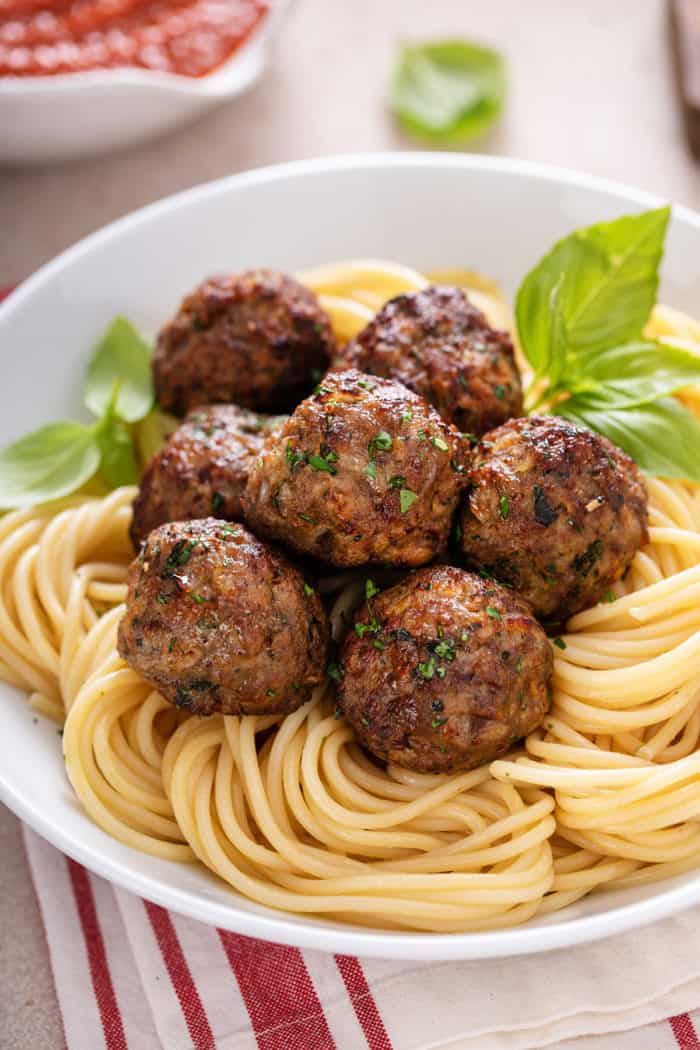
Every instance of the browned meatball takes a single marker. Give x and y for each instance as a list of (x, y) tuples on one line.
[(437, 343), (444, 671), (201, 470), (553, 510), (219, 622), (362, 471), (257, 339)]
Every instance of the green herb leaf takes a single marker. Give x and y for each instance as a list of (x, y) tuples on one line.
[(321, 463), (594, 289), (383, 441), (637, 373), (407, 499), (448, 91), (663, 437), (50, 462), (371, 590), (371, 469), (118, 464), (121, 356), (504, 506)]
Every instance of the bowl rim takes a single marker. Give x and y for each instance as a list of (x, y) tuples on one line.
[(129, 79), (305, 931)]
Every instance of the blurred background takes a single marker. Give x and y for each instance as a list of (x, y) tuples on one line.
[(591, 87)]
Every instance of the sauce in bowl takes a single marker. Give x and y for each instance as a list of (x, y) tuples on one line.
[(188, 37)]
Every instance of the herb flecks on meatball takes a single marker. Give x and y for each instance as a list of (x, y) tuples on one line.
[(258, 339), (362, 471), (201, 470), (438, 344), (444, 671), (219, 622), (553, 510)]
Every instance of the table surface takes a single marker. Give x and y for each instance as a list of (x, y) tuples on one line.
[(591, 88)]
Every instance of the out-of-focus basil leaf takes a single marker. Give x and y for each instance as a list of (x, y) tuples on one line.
[(448, 91)]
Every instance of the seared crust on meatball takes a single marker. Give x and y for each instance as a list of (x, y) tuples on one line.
[(201, 470), (555, 511), (438, 344), (219, 622), (362, 471), (444, 671), (256, 339)]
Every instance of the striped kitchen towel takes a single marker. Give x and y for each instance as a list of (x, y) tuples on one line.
[(130, 975)]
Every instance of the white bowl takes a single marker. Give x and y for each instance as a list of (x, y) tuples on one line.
[(428, 211), (45, 119)]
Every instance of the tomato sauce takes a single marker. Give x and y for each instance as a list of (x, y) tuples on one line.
[(189, 37)]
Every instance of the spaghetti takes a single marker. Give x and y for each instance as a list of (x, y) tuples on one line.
[(291, 813)]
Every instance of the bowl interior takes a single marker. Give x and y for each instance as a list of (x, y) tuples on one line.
[(427, 211)]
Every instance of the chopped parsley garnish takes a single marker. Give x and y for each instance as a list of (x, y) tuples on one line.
[(270, 692), (217, 501), (518, 665), (406, 417), (373, 627), (559, 642), (363, 383), (198, 599), (427, 669), (504, 507), (441, 671), (293, 457), (445, 649), (371, 469), (583, 563), (305, 517), (173, 643), (180, 554), (163, 599), (421, 435), (397, 482), (440, 444), (471, 438), (371, 590), (324, 460), (500, 391), (308, 590), (457, 467), (493, 613), (378, 645), (609, 596), (365, 720), (381, 443), (335, 671), (407, 499), (231, 530), (437, 722)]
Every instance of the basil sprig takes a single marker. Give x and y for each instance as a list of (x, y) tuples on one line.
[(448, 91), (580, 314), (59, 458)]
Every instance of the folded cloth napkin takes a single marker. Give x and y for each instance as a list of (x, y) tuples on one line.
[(132, 976)]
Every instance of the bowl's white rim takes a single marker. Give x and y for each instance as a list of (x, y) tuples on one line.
[(277, 926), (220, 83)]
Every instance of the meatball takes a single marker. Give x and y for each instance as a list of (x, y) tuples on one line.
[(554, 511), (201, 470), (257, 339), (219, 622), (362, 471), (438, 344), (444, 671)]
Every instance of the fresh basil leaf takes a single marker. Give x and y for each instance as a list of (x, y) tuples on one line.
[(448, 91), (663, 437), (638, 373), (121, 356), (50, 462), (118, 464), (609, 278)]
